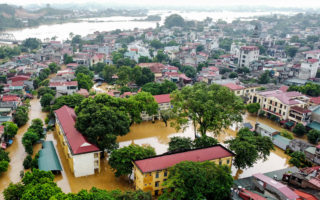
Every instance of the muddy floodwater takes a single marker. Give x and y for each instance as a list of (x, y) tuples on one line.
[(155, 134)]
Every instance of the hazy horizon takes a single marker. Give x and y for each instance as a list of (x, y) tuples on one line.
[(271, 3)]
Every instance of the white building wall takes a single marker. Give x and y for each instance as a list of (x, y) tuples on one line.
[(66, 89), (83, 164), (309, 67), (245, 59)]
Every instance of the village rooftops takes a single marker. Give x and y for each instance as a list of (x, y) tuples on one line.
[(162, 98), (165, 161), (312, 61), (64, 83), (10, 98), (77, 142)]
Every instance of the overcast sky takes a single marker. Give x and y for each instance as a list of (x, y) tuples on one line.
[(275, 3)]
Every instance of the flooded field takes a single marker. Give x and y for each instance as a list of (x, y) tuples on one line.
[(147, 133)]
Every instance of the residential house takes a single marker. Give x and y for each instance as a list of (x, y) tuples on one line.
[(280, 141), (83, 92), (298, 145), (150, 173), (67, 86), (98, 58), (149, 36), (300, 115), (104, 48), (307, 178), (309, 68), (237, 89), (265, 130), (163, 101), (83, 157), (266, 183), (10, 101)]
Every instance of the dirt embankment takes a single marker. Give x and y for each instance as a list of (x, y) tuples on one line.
[(23, 14)]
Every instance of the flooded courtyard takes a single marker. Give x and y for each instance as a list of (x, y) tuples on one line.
[(155, 134)]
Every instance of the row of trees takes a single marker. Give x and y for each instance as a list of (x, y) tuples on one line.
[(34, 133), (309, 88), (156, 88), (40, 185), (126, 74)]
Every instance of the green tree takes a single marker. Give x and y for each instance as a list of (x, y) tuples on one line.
[(102, 119), (312, 38), (32, 43), (36, 127), (108, 72), (136, 74), (84, 70), (45, 100), (69, 100), (286, 134), (204, 141), (46, 90), (299, 130), (143, 59), (21, 115), (213, 107), (84, 81), (291, 51), (253, 107), (141, 102), (147, 77), (121, 159), (249, 148), (181, 143), (27, 162), (273, 118), (123, 74), (262, 49), (174, 20), (161, 56), (183, 181), (233, 75), (68, 59), (10, 129), (53, 67), (297, 158), (28, 140), (188, 70), (313, 136), (294, 39), (13, 191), (167, 87), (166, 115), (200, 66), (199, 48), (264, 78), (124, 89), (153, 88), (156, 44)]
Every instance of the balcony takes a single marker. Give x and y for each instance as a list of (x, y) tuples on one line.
[(270, 111)]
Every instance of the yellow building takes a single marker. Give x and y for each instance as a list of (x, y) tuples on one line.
[(150, 173)]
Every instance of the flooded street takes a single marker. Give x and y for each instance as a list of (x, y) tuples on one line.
[(155, 134)]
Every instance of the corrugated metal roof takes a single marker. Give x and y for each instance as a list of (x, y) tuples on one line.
[(267, 128), (164, 161), (311, 150), (316, 111), (48, 159), (314, 125), (162, 98), (281, 139)]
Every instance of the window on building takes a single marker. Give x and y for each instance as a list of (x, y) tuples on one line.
[(165, 173), (251, 90), (274, 110), (238, 92), (259, 100), (146, 176), (157, 175), (276, 104), (145, 184), (280, 105), (270, 101), (284, 113), (220, 162), (247, 91), (285, 107), (156, 192), (157, 184), (228, 161), (265, 100)]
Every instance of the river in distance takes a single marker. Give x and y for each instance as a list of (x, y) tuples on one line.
[(88, 26)]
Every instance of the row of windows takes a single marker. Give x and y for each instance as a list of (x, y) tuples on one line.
[(156, 184)]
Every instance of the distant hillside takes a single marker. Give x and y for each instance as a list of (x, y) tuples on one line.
[(7, 10), (52, 11)]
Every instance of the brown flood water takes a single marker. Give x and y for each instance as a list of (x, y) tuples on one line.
[(147, 133)]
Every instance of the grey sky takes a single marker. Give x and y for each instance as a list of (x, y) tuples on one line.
[(276, 3)]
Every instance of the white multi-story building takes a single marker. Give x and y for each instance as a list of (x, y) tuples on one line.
[(247, 55), (235, 48), (149, 36), (83, 157), (309, 68), (104, 48), (66, 86)]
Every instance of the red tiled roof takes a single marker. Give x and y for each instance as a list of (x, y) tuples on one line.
[(1, 129), (18, 83), (166, 161), (184, 77), (10, 98), (162, 98), (61, 73), (171, 73), (284, 88), (78, 143), (126, 94), (19, 78), (315, 100), (213, 68), (304, 195), (58, 42), (72, 65), (300, 110), (233, 86), (64, 83), (313, 60), (155, 69), (160, 65), (83, 92)]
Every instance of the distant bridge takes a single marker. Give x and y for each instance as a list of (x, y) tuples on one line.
[(8, 37)]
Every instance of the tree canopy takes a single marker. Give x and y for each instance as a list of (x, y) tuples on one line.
[(21, 115), (108, 72), (121, 159), (174, 20), (213, 107), (4, 161), (183, 181), (313, 136), (309, 88), (264, 78), (249, 148), (84, 70), (10, 129), (180, 143), (188, 70), (299, 130), (101, 119), (164, 88), (84, 81), (253, 107)]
